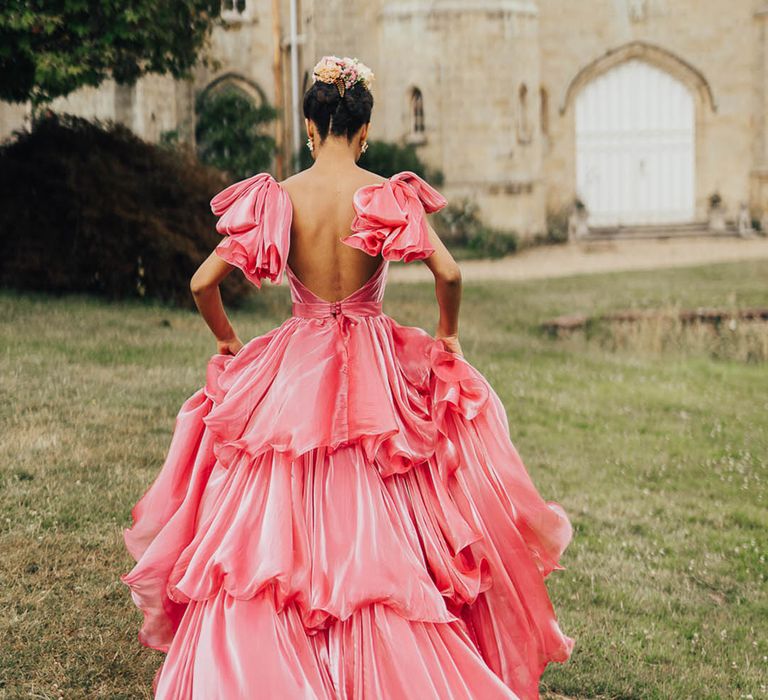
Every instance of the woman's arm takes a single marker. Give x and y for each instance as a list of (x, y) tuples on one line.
[(204, 286), (447, 275)]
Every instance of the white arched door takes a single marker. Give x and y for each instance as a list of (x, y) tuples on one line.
[(635, 154)]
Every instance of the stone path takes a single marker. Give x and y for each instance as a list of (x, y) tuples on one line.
[(598, 256)]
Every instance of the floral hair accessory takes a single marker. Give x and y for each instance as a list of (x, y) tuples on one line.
[(344, 72)]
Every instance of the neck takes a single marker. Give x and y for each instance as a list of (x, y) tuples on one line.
[(336, 153)]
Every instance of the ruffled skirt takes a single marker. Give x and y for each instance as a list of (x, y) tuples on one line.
[(342, 514)]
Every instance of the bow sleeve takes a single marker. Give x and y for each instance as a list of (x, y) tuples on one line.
[(390, 217), (255, 216)]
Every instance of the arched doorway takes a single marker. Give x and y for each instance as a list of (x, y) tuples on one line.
[(635, 146), (234, 126)]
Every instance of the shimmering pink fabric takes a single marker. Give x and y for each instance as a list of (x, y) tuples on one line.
[(342, 515), (256, 218), (389, 217)]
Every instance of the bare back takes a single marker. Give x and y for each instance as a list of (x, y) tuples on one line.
[(322, 215)]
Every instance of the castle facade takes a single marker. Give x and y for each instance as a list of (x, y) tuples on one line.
[(642, 109)]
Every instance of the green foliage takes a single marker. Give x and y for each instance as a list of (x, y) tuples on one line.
[(557, 228), (52, 47), (230, 132), (385, 159), (460, 226), (457, 220), (170, 138), (89, 207), (491, 242)]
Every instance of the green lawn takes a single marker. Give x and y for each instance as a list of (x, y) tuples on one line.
[(661, 462)]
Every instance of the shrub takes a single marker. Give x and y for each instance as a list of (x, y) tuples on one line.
[(90, 207), (492, 242), (385, 159), (460, 226), (456, 222), (557, 227), (230, 133)]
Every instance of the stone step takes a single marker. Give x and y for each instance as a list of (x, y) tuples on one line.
[(694, 228)]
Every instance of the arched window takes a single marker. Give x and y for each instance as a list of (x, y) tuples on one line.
[(544, 110), (417, 112), (233, 128), (523, 122), (234, 9)]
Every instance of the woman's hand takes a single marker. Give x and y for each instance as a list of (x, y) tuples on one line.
[(451, 343), (230, 346)]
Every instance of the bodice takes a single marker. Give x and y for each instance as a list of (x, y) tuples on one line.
[(256, 214), (364, 301)]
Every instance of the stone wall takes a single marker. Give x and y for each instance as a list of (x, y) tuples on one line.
[(470, 59)]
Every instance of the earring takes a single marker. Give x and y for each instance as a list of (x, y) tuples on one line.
[(310, 146), (364, 147)]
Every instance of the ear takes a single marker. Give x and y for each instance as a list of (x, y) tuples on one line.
[(364, 131), (309, 127)]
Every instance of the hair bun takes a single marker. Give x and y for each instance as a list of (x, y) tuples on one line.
[(334, 114), (327, 94)]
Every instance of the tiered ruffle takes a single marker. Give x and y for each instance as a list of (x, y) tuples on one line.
[(342, 524)]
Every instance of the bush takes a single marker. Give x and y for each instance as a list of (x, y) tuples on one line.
[(492, 242), (386, 159), (460, 226), (90, 207), (557, 227), (456, 222)]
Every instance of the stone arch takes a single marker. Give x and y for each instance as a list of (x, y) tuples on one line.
[(650, 53), (249, 88)]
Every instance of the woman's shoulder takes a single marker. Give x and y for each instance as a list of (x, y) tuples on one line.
[(254, 216), (402, 187), (390, 217)]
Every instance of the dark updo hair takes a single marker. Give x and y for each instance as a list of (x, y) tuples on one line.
[(344, 115)]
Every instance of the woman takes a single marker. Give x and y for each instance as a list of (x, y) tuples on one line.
[(341, 513)]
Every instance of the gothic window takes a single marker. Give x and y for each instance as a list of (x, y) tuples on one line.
[(417, 112), (544, 110), (523, 121), (234, 9)]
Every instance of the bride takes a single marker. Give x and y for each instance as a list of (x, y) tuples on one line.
[(341, 512)]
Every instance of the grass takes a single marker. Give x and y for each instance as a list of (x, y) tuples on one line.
[(659, 459)]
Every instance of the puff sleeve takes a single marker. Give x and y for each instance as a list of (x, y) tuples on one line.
[(255, 216), (390, 217)]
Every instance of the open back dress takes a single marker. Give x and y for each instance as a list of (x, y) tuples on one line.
[(341, 513)]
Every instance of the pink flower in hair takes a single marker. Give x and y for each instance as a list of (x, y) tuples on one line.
[(350, 70)]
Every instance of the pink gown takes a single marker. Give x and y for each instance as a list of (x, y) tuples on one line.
[(341, 513)]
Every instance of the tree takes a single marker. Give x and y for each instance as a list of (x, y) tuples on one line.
[(49, 48), (230, 132)]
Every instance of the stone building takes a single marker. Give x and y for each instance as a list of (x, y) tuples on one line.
[(642, 109)]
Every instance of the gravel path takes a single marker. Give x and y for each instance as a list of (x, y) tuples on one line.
[(598, 256)]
